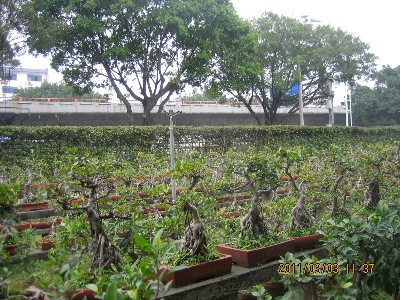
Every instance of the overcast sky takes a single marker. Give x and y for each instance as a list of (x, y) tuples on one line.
[(375, 22)]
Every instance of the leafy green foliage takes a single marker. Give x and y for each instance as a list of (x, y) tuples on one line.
[(272, 65), (379, 105), (143, 50), (54, 90), (8, 196), (373, 239)]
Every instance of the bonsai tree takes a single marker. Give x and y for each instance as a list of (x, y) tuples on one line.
[(90, 174), (372, 162), (301, 217), (259, 170), (191, 171)]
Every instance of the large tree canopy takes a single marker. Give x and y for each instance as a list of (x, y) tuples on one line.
[(10, 38), (145, 50), (285, 44), (380, 105)]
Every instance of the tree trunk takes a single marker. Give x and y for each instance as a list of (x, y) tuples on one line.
[(371, 195), (103, 252), (195, 239)]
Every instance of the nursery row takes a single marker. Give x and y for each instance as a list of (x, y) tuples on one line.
[(126, 231)]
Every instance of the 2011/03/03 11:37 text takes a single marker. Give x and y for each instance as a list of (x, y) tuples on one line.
[(324, 268)]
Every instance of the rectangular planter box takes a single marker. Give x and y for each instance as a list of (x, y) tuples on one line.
[(252, 258), (33, 206), (307, 242), (45, 245), (202, 271)]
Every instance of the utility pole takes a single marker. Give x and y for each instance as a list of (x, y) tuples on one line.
[(300, 97), (172, 114), (349, 114), (330, 103)]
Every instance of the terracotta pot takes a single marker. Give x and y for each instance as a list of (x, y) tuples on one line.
[(77, 201), (80, 294), (275, 289), (201, 271), (11, 249), (33, 206), (285, 178), (231, 214), (113, 197), (42, 225), (21, 227), (45, 244), (143, 195), (360, 191), (280, 191), (251, 258), (307, 242)]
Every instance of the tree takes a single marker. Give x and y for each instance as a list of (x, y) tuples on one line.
[(272, 73), (10, 38), (379, 105), (144, 50), (54, 90)]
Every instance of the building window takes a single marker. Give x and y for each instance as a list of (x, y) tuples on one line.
[(8, 89), (13, 76), (33, 77)]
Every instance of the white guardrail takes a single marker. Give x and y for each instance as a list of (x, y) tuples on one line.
[(76, 106)]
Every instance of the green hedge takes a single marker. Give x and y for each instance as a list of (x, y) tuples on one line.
[(127, 140), (21, 147)]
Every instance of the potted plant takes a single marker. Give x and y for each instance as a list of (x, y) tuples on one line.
[(255, 243)]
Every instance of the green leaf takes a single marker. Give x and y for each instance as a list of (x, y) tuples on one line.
[(92, 287), (112, 292), (347, 285)]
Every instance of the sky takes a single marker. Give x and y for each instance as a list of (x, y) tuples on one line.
[(374, 22)]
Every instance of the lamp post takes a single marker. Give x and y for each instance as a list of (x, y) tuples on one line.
[(300, 97), (330, 102), (172, 114)]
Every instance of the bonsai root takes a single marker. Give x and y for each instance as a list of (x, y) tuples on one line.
[(194, 238), (301, 218), (252, 222), (371, 195)]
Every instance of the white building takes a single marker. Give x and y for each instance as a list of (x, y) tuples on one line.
[(21, 78)]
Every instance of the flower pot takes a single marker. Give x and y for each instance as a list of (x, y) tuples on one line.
[(76, 201), (112, 197), (251, 258), (209, 269), (285, 178), (22, 226), (231, 214), (143, 195), (33, 206), (80, 294), (275, 289), (42, 225), (11, 249), (307, 242), (45, 244)]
